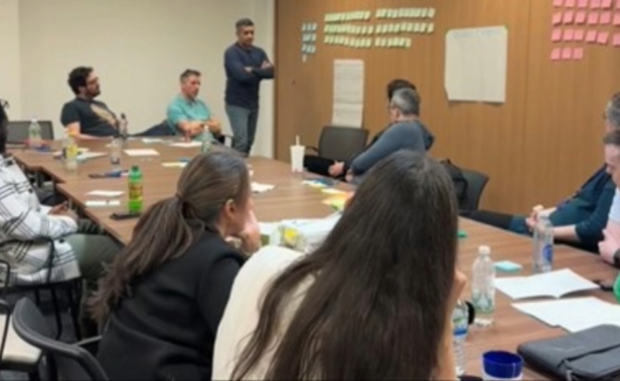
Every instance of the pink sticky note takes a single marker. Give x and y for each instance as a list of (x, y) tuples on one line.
[(556, 54), (568, 35), (618, 4), (570, 3), (567, 53), (583, 3), (556, 35), (617, 19), (602, 38), (579, 35), (606, 4), (605, 18), (595, 4), (569, 16), (591, 36), (580, 17), (593, 18), (558, 3), (557, 18), (616, 40), (577, 53)]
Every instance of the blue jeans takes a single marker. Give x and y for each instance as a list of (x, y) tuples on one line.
[(243, 123)]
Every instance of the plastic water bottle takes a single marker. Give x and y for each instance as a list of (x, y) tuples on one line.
[(115, 153), (34, 134), (206, 142), (483, 287), (122, 126), (460, 320), (70, 152), (542, 251), (135, 190)]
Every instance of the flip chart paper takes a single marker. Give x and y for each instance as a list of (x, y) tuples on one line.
[(348, 104), (476, 62)]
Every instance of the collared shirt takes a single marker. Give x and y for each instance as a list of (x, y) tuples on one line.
[(182, 109), (24, 220)]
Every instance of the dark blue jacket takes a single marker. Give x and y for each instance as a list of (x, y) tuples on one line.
[(242, 87)]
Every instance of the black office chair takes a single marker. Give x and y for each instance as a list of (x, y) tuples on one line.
[(17, 131), (67, 361), (335, 144), (476, 182)]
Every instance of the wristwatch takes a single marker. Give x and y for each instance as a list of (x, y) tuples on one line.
[(617, 258)]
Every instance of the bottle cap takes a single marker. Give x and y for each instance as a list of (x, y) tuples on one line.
[(484, 250)]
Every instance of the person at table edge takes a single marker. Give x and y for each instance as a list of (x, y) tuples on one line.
[(188, 115), (84, 117), (405, 132), (579, 219), (246, 66)]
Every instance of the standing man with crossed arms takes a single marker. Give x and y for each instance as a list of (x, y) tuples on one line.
[(246, 66)]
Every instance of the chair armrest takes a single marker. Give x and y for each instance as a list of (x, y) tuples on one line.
[(91, 344)]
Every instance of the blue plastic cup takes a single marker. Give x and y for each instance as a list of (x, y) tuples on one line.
[(502, 365)]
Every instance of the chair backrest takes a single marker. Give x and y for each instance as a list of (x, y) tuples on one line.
[(342, 143), (17, 131), (476, 182), (158, 130), (72, 361)]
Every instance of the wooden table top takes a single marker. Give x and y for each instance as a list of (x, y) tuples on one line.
[(292, 199)]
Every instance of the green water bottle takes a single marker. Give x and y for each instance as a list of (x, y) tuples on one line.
[(617, 288), (135, 190)]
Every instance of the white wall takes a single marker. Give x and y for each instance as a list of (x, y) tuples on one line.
[(138, 48), (10, 68)]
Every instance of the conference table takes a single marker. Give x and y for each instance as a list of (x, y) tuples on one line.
[(292, 199)]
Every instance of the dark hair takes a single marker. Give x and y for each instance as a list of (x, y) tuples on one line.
[(243, 23), (612, 111), (397, 84), (612, 138), (189, 73), (170, 226), (78, 77), (4, 122), (386, 270)]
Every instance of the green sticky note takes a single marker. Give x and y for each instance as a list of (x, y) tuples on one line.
[(462, 234)]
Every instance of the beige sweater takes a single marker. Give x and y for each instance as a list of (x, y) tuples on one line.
[(243, 310)]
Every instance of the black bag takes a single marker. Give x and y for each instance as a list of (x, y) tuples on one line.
[(459, 181), (591, 354)]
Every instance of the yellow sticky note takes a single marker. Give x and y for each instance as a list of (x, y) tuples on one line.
[(430, 27), (407, 43), (431, 13), (424, 13), (371, 29)]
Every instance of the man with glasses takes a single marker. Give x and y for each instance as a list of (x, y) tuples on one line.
[(84, 117)]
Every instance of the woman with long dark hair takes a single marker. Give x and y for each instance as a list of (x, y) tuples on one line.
[(164, 295), (373, 302)]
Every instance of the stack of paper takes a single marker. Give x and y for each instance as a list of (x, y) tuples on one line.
[(141, 152), (552, 284), (575, 314), (260, 188)]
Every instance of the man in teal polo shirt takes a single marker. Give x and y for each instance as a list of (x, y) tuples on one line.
[(189, 116)]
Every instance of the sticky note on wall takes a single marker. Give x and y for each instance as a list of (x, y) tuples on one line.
[(570, 3), (579, 35), (582, 4), (617, 19), (568, 17), (616, 40), (556, 35), (568, 35), (558, 3), (567, 53), (557, 18), (580, 17), (605, 18), (603, 38), (556, 54), (591, 36), (577, 53), (606, 4), (595, 4), (593, 18)]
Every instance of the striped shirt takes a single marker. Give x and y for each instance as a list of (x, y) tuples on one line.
[(24, 220)]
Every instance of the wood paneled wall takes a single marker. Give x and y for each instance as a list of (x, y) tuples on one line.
[(538, 147)]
